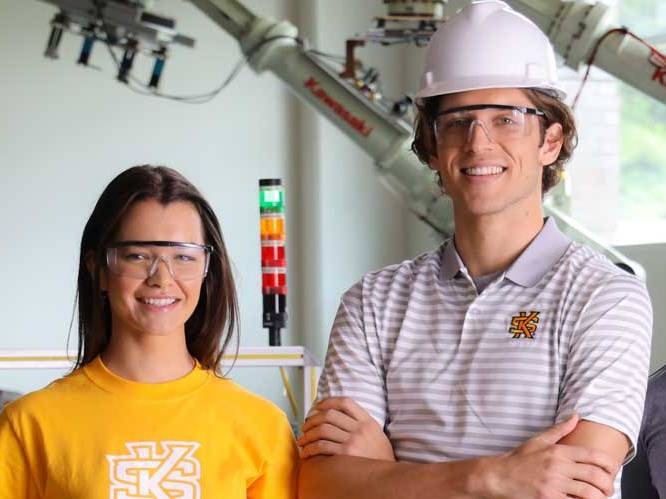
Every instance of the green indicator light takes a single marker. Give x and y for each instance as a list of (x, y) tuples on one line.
[(271, 199), (272, 196)]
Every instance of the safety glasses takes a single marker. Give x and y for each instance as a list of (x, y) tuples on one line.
[(501, 123), (141, 259)]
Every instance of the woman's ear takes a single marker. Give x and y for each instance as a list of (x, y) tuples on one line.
[(91, 265), (552, 144)]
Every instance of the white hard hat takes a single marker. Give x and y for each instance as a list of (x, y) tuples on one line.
[(489, 45)]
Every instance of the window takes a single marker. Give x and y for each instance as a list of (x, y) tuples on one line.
[(642, 139), (616, 182)]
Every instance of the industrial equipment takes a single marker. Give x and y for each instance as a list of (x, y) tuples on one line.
[(126, 24), (273, 257)]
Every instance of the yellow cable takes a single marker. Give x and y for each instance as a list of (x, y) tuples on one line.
[(290, 392)]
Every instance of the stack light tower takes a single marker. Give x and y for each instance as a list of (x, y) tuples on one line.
[(273, 257)]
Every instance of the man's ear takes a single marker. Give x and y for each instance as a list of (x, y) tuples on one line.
[(432, 163), (552, 144), (433, 159)]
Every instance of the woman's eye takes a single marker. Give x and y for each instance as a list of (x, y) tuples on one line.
[(135, 257)]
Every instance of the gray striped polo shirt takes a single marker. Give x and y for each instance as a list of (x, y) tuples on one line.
[(453, 374)]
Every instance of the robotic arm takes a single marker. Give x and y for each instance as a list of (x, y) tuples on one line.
[(578, 29), (127, 24)]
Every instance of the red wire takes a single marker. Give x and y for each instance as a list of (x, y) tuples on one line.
[(593, 56)]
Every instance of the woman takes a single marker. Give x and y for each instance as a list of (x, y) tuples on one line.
[(144, 414)]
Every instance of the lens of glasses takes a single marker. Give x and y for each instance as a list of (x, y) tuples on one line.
[(183, 262), (500, 125)]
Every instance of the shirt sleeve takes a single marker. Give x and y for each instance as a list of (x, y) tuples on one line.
[(16, 479), (279, 477), (353, 367), (608, 358)]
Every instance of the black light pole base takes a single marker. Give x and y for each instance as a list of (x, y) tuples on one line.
[(274, 337)]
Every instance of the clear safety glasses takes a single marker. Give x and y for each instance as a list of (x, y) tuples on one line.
[(501, 123), (141, 259)]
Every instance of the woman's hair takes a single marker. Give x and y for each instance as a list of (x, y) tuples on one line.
[(214, 321), (556, 111)]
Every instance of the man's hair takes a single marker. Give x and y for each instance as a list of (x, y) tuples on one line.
[(556, 111), (214, 321)]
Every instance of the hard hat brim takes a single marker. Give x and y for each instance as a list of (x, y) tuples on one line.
[(489, 82)]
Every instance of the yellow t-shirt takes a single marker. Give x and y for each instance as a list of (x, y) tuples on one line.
[(94, 435)]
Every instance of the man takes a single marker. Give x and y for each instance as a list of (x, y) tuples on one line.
[(511, 362)]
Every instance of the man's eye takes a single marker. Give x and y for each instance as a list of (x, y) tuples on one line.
[(458, 123), (506, 120)]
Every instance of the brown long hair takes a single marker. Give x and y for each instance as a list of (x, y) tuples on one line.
[(214, 321), (556, 111)]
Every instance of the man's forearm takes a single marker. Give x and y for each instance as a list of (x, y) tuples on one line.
[(359, 478), (540, 467)]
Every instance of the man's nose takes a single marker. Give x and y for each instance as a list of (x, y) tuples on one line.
[(478, 135)]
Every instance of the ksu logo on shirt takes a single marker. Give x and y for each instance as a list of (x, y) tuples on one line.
[(172, 471), (524, 325)]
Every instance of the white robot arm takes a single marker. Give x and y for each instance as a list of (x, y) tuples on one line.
[(579, 30)]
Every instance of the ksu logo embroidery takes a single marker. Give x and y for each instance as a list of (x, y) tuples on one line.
[(146, 472), (524, 325)]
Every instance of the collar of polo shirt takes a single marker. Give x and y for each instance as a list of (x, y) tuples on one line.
[(533, 263)]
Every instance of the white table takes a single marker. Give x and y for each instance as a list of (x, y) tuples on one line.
[(293, 356)]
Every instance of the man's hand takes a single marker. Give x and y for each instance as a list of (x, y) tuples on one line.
[(341, 427), (542, 468)]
